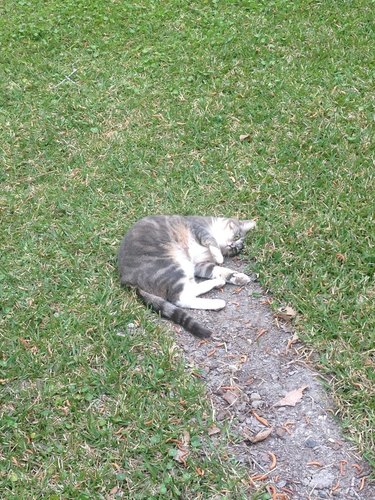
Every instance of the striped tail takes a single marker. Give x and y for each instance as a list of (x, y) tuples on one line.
[(175, 314)]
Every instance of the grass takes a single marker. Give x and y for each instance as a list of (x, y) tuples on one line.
[(110, 111)]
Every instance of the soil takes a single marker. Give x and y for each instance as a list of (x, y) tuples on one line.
[(253, 360)]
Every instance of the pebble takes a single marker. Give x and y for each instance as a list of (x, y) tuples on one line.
[(281, 484), (241, 407), (311, 443), (280, 432), (256, 404), (255, 396), (221, 415), (322, 479)]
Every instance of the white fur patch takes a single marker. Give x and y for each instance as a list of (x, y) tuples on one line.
[(221, 231), (198, 253)]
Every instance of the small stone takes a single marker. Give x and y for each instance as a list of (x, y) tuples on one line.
[(241, 407), (280, 432), (281, 484), (221, 415), (311, 443), (251, 421), (256, 404), (322, 480), (337, 493), (229, 397), (255, 396), (335, 445)]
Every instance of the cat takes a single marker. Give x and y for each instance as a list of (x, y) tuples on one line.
[(161, 255)]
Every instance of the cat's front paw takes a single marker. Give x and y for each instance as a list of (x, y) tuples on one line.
[(234, 248), (239, 279), (216, 254)]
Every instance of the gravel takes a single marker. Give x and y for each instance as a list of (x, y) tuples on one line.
[(313, 459)]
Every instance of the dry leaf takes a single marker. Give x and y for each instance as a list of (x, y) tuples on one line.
[(286, 313), (274, 460), (185, 438), (261, 419), (292, 398), (181, 454), (245, 137), (260, 436), (341, 257), (229, 397), (199, 471), (182, 448), (261, 332), (213, 430)]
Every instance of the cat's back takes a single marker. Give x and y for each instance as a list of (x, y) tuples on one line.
[(150, 242)]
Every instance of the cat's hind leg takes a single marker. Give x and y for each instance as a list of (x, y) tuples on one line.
[(198, 303), (189, 295), (206, 286)]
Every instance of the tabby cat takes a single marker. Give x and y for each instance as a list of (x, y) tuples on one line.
[(161, 256)]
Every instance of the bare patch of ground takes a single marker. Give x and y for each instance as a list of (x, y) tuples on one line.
[(250, 364)]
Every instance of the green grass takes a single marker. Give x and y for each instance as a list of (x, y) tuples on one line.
[(149, 122)]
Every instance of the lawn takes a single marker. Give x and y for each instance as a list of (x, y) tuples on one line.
[(113, 110)]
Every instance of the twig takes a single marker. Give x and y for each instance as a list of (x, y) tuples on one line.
[(67, 78)]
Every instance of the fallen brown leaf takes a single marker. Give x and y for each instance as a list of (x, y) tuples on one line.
[(180, 455), (336, 486), (261, 419), (358, 468), (286, 427), (199, 471), (362, 483), (293, 397), (343, 463), (28, 345), (245, 137), (182, 448), (185, 438), (261, 332), (213, 430), (274, 461), (292, 341), (258, 477), (229, 397), (260, 436), (286, 313), (114, 490)]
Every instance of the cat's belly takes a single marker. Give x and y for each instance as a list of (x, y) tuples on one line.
[(198, 253)]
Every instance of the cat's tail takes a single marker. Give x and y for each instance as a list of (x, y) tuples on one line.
[(175, 314)]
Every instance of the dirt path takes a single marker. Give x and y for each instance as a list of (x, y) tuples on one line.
[(305, 455)]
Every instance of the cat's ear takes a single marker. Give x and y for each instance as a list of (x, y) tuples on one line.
[(246, 225)]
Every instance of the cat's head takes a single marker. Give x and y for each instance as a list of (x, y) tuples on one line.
[(232, 235)]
